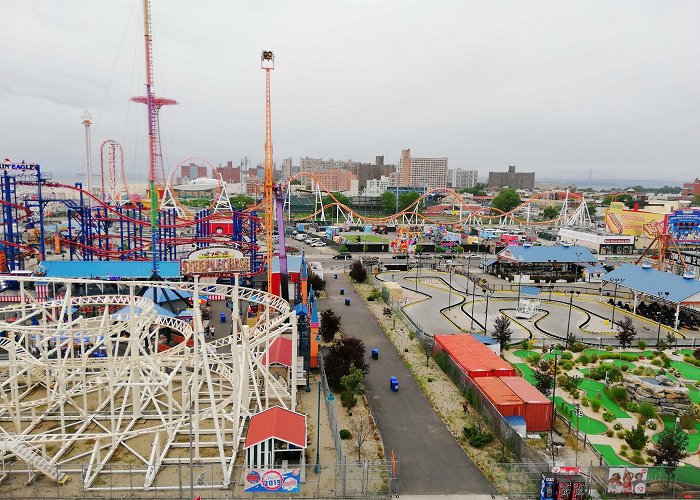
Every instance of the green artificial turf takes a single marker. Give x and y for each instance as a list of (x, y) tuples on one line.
[(687, 370), (592, 389), (585, 424), (527, 372), (636, 354), (670, 423), (684, 352)]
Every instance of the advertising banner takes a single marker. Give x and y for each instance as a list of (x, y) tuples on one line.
[(273, 480), (684, 226), (215, 261), (627, 480), (629, 222)]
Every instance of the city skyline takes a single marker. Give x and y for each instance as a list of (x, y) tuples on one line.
[(557, 89)]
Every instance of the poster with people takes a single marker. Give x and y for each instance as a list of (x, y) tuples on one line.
[(627, 480)]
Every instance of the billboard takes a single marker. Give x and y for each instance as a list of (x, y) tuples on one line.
[(215, 261), (684, 226), (627, 480), (620, 220), (273, 480)]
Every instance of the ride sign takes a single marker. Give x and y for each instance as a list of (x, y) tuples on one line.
[(273, 480), (18, 166), (215, 261)]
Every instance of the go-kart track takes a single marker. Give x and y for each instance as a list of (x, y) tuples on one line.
[(438, 310), (80, 389)]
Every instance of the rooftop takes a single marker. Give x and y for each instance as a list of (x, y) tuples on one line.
[(108, 268), (653, 282), (574, 254), (277, 423)]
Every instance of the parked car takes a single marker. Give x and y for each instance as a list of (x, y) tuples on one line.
[(343, 256), (400, 256), (301, 236), (312, 240), (318, 244)]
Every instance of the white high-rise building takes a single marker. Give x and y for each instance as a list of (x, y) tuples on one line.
[(458, 178), (423, 172)]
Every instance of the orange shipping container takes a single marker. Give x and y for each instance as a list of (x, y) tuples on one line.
[(538, 408), (504, 399), (472, 357)]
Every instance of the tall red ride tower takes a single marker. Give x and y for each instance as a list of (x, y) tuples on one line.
[(157, 103)]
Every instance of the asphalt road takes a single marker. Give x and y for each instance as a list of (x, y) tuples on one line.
[(430, 460)]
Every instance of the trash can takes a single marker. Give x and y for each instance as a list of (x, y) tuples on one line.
[(342, 291), (335, 276), (394, 384), (375, 353), (347, 302), (222, 317)]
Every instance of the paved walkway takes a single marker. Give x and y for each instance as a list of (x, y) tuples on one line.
[(430, 460)]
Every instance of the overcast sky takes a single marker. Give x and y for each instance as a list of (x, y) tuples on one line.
[(558, 87)]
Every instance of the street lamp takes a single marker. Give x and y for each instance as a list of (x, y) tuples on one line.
[(554, 399), (662, 296), (520, 281), (473, 299), (569, 340), (617, 282), (486, 318)]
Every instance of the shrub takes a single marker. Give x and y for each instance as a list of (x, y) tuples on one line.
[(623, 453), (687, 421), (341, 355), (345, 434), (525, 345), (330, 325), (616, 393), (584, 359), (594, 358), (696, 353), (620, 434), (561, 379), (624, 447), (578, 347), (647, 410), (641, 344), (617, 426), (568, 355), (533, 359), (595, 405), (638, 371), (476, 437), (566, 365), (357, 272), (624, 368), (609, 348), (609, 433), (637, 459), (608, 416), (631, 406), (585, 402), (657, 362), (635, 438)]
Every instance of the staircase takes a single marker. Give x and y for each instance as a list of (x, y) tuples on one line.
[(32, 457)]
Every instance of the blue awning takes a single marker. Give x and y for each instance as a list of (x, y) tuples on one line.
[(128, 309)]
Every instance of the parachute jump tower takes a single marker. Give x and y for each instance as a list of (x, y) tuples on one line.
[(272, 192)]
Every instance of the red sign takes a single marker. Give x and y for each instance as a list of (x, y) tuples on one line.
[(566, 469)]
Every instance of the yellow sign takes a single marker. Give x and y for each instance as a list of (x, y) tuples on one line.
[(620, 220), (215, 261)]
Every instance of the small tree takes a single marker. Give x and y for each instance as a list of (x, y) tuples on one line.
[(549, 213), (459, 249), (635, 438), (341, 355), (330, 325), (626, 332), (315, 281), (358, 272), (502, 331), (361, 432), (352, 386), (342, 249), (544, 381), (419, 249), (670, 449)]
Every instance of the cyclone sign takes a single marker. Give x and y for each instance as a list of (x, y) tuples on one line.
[(272, 480)]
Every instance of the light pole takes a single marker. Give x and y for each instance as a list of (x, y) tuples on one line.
[(554, 399), (662, 296), (473, 299), (569, 340), (617, 281), (486, 318), (520, 281), (449, 296)]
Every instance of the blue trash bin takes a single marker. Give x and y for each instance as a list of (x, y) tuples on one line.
[(394, 384), (347, 302), (342, 291), (375, 353), (222, 317)]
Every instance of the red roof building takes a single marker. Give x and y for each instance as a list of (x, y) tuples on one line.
[(276, 438), (280, 352)]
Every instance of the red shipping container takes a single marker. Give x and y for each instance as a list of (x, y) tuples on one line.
[(538, 408), (472, 357), (504, 399)]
